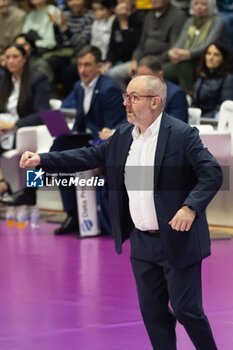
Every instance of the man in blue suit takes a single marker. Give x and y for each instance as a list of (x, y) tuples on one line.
[(98, 102), (161, 180)]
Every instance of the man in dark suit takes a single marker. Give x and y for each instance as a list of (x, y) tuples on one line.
[(161, 180), (105, 99), (98, 102)]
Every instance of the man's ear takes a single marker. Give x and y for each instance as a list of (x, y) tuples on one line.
[(99, 64), (155, 102), (159, 74)]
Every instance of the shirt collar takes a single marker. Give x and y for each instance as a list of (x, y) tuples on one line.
[(14, 81), (91, 84), (152, 130)]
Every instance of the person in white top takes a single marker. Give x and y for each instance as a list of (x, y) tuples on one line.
[(102, 26), (162, 212), (23, 93)]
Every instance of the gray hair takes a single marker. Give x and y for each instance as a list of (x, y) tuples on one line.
[(156, 86), (212, 7)]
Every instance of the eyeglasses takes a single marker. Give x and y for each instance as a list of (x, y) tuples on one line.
[(134, 98)]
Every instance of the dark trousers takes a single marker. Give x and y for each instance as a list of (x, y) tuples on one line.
[(68, 194), (158, 283)]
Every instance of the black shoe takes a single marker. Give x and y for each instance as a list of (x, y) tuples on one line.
[(70, 225), (8, 187), (19, 198)]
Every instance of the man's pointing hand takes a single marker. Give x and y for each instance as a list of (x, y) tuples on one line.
[(29, 159)]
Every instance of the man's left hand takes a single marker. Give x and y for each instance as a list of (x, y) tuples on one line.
[(183, 219)]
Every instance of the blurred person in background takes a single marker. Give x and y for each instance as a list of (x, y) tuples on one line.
[(27, 40), (38, 20), (102, 26), (160, 31), (72, 34), (176, 103), (126, 31), (214, 84), (203, 27), (23, 93), (11, 22)]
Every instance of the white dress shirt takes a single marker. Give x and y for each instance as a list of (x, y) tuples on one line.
[(139, 177), (88, 93), (11, 116)]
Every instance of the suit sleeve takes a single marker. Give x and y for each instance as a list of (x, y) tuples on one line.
[(79, 159), (69, 101), (207, 170)]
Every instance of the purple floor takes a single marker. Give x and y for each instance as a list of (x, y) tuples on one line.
[(60, 293)]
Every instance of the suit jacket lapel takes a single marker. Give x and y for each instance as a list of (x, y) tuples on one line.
[(163, 136), (96, 91), (125, 143), (80, 99)]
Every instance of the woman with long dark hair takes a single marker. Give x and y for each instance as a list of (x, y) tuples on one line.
[(23, 93), (215, 80), (200, 29)]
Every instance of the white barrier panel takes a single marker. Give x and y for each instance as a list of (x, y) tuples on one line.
[(87, 207), (218, 143)]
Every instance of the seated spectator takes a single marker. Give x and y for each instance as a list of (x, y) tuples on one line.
[(72, 34), (215, 82), (11, 22), (202, 28), (23, 93), (160, 31), (99, 103), (102, 26), (176, 103), (126, 31), (27, 40), (39, 21)]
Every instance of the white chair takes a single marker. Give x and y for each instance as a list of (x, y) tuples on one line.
[(55, 103), (33, 138), (194, 115), (225, 122), (205, 128)]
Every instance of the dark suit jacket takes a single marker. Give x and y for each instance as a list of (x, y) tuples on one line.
[(176, 103), (106, 109), (37, 101), (185, 174)]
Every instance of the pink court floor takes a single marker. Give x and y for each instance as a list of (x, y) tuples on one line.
[(63, 293)]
